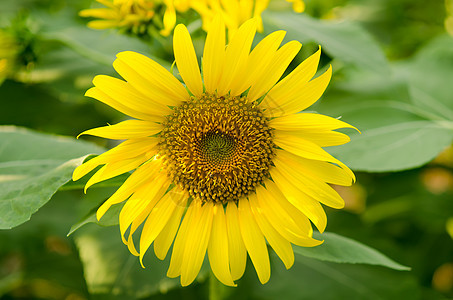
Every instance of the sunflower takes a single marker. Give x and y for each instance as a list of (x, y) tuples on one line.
[(137, 15), (133, 15), (236, 12), (229, 153)]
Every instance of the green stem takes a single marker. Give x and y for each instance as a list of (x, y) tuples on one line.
[(217, 291)]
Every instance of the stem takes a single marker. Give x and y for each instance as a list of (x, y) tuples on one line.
[(217, 291)]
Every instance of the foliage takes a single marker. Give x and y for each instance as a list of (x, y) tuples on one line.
[(393, 64)]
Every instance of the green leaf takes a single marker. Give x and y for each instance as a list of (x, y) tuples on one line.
[(32, 167), (340, 249), (110, 218), (396, 147), (430, 77), (314, 279), (348, 42), (100, 46), (396, 134), (111, 271), (43, 253)]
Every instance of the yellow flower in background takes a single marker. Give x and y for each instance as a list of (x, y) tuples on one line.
[(229, 153), (448, 22), (236, 12), (8, 53), (136, 15), (133, 15)]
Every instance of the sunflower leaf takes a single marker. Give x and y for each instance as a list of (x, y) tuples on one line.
[(396, 134), (340, 249), (346, 41), (433, 92), (315, 279), (112, 272), (33, 166), (109, 219)]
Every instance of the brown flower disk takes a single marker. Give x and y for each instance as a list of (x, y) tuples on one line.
[(217, 148)]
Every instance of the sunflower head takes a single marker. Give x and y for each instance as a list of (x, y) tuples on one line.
[(139, 17), (226, 163), (217, 148)]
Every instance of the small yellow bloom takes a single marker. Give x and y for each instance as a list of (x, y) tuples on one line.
[(448, 22), (8, 54), (131, 15), (228, 153), (236, 12), (137, 15)]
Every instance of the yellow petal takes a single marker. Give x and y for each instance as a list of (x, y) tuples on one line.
[(145, 174), (117, 104), (169, 18), (130, 129), (128, 149), (230, 14), (291, 84), (114, 169), (157, 98), (236, 247), (302, 233), (280, 245), (125, 93), (309, 207), (236, 56), (157, 219), (100, 13), (167, 235), (292, 224), (140, 218), (299, 99), (245, 9), (150, 78), (187, 225), (214, 54), (298, 5), (322, 138), (308, 121), (324, 171), (299, 76), (313, 127), (275, 70), (260, 58), (312, 187), (134, 207), (186, 60), (306, 149), (260, 6), (102, 24), (218, 247), (196, 244), (254, 241)]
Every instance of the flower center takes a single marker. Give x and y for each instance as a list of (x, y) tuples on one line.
[(217, 148)]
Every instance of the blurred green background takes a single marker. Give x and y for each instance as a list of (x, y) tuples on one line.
[(393, 79)]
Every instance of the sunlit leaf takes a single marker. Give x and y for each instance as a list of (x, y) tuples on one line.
[(395, 133), (314, 279), (340, 249)]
